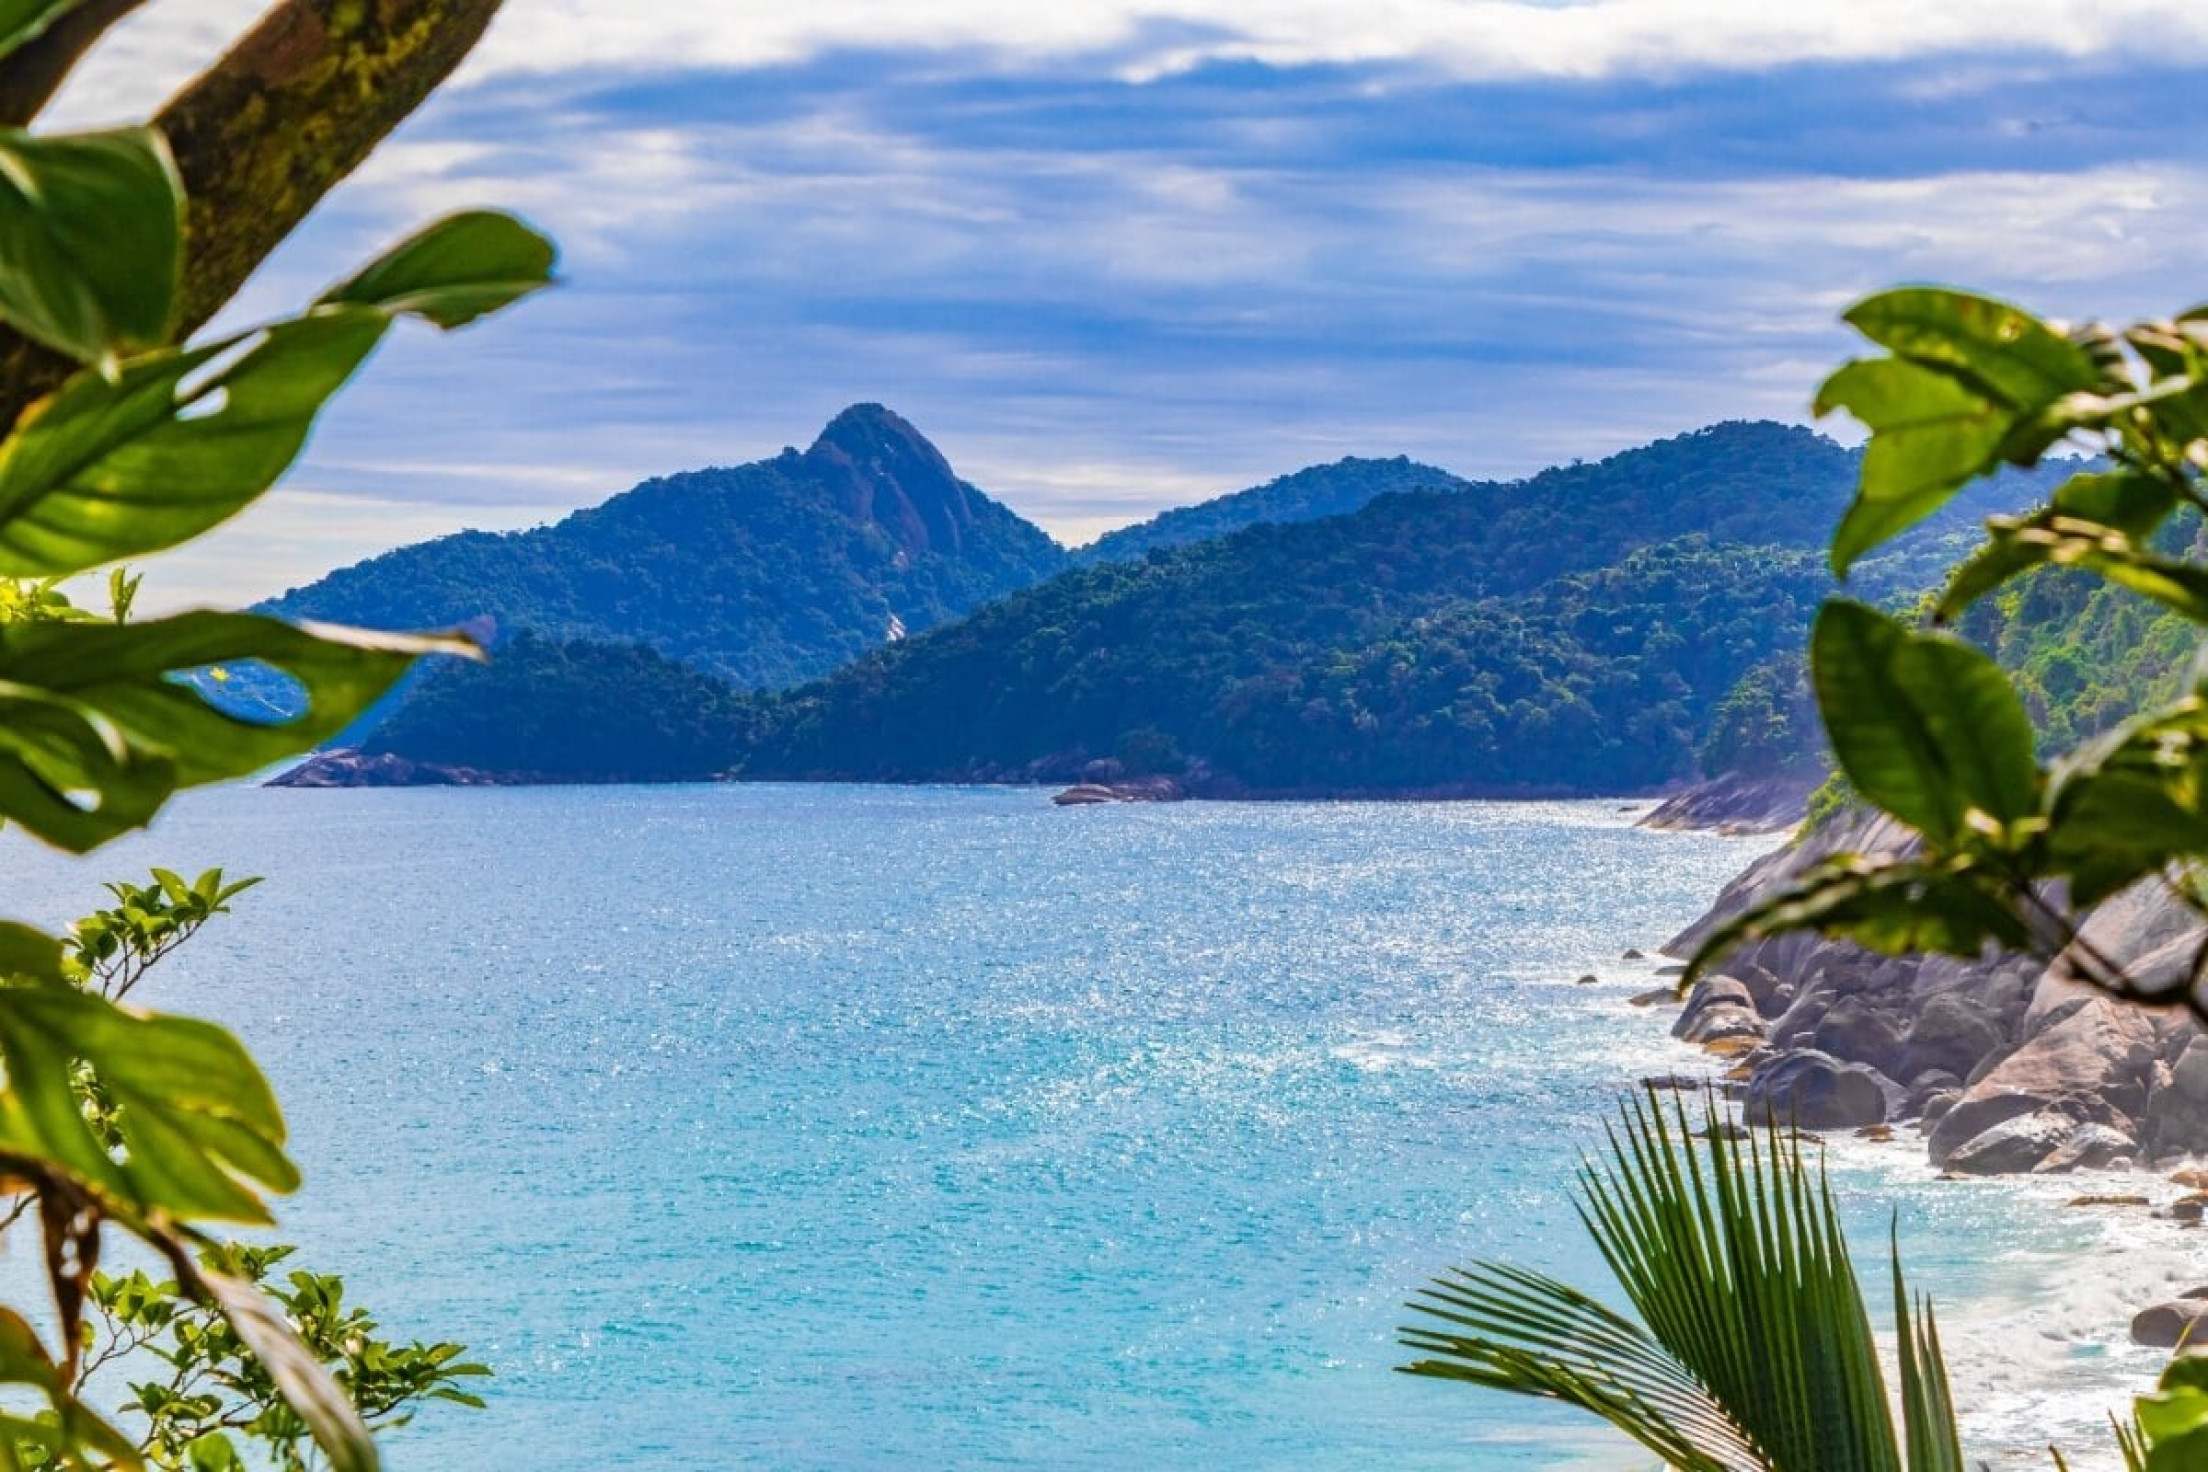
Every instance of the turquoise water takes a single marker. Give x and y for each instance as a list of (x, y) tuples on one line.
[(832, 1128)]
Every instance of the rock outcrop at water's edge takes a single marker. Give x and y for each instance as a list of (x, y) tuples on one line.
[(345, 767), (1132, 789), (2009, 1064), (1735, 804)]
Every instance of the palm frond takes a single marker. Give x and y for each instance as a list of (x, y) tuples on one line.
[(1927, 1405), (1752, 1351), (2131, 1442)]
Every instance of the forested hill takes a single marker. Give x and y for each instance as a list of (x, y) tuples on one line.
[(1346, 485), (1572, 632), (764, 574)]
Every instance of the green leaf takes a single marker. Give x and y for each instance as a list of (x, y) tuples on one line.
[(1978, 726), (455, 270), (2090, 505), (29, 953), (1933, 1439), (2163, 347), (1896, 907), (2174, 1416), (1999, 351), (67, 775), (24, 1361), (102, 709), (24, 20), (197, 1118), (1969, 373), (1749, 1346), (306, 1385), (110, 468), (173, 443), (1924, 726), (127, 674), (1929, 435), (212, 1452), (2109, 554), (2185, 1451), (91, 239), (2129, 802)]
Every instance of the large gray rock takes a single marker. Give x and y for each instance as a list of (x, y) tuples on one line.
[(1860, 1031), (1815, 1091), (1951, 1035), (2074, 1070), (2189, 1074), (1720, 1007), (2096, 1058), (2176, 1120), (2089, 1147), (2170, 1323), (1934, 1088), (1765, 989), (2012, 1146), (1711, 992), (1734, 804)]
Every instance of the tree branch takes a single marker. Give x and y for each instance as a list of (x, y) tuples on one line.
[(264, 133), (34, 71)]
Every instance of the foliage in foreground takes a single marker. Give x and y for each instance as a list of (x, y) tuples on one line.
[(112, 1118), (1752, 1350), (186, 1386), (1930, 728)]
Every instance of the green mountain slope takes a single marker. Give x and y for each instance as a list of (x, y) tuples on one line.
[(1574, 632), (570, 709), (1309, 494), (1261, 679), (763, 574)]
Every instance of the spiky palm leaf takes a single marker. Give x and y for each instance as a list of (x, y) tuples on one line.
[(1752, 1352)]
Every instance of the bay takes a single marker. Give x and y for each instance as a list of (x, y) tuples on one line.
[(815, 1127)]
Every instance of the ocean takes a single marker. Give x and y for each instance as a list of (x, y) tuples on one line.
[(829, 1127)]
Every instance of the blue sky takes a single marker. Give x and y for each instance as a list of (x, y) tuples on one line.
[(1122, 254)]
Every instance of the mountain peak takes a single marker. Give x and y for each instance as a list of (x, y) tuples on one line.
[(881, 469), (860, 425)]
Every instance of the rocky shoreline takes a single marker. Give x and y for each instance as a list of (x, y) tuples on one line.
[(2010, 1064), (2003, 1066)]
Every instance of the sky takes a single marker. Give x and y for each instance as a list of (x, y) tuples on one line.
[(1117, 255)]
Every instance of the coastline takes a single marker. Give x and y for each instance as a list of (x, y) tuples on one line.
[(2036, 1328), (1714, 805), (2039, 1332)]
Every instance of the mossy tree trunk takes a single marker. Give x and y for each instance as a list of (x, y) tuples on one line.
[(264, 133)]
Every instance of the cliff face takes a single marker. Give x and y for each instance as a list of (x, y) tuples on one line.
[(2009, 1063)]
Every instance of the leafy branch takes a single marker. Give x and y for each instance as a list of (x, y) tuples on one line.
[(2011, 853), (120, 439)]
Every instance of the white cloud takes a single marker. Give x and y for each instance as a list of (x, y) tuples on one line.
[(1096, 327), (1473, 39), (1470, 38), (293, 535)]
